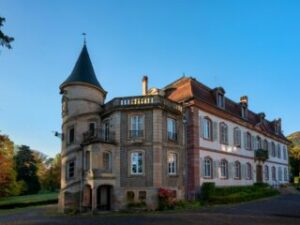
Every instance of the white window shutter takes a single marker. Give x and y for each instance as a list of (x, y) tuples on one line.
[(202, 167), (216, 169), (245, 140), (201, 126)]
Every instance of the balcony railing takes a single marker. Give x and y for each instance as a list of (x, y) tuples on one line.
[(143, 101), (172, 136), (136, 133), (261, 154), (99, 135)]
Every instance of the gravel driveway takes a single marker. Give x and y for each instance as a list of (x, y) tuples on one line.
[(284, 209)]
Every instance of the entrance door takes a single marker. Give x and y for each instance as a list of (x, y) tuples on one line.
[(104, 197), (259, 176)]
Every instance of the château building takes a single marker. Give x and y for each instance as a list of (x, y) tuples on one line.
[(122, 151)]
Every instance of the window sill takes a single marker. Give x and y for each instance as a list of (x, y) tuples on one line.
[(207, 178), (173, 175)]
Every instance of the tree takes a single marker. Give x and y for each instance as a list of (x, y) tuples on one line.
[(53, 174), (294, 153), (26, 167), (4, 39), (8, 184)]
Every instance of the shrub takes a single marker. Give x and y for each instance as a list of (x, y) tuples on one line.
[(207, 190), (166, 199)]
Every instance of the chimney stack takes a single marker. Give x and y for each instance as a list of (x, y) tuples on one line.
[(145, 85), (244, 100)]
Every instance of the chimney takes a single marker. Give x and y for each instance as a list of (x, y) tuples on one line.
[(145, 85), (244, 100), (261, 116)]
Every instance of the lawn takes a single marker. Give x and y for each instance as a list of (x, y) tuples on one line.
[(28, 200)]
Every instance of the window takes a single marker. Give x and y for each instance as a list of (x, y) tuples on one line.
[(258, 142), (237, 170), (71, 169), (87, 160), (221, 100), (273, 173), (207, 129), (142, 196), (136, 163), (266, 172), (278, 151), (92, 129), (273, 149), (223, 133), (106, 157), (248, 171), (266, 145), (71, 135), (208, 167), (172, 163), (224, 169), (171, 123), (248, 141), (279, 174), (285, 174), (244, 112), (130, 196), (284, 153), (106, 130), (136, 126), (237, 137)]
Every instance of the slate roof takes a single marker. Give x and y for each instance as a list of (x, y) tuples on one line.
[(186, 88), (83, 72)]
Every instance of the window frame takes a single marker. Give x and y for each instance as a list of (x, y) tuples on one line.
[(266, 172), (142, 166), (208, 159), (237, 170), (136, 126), (172, 166), (249, 174), (68, 167), (172, 133), (223, 133), (107, 164), (71, 133), (273, 173), (237, 137), (224, 168), (249, 141), (207, 129)]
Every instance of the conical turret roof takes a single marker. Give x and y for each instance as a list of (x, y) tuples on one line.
[(83, 72)]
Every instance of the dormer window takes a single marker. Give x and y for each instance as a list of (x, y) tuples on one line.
[(221, 100), (244, 112)]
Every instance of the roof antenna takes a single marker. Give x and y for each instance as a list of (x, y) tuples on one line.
[(84, 38)]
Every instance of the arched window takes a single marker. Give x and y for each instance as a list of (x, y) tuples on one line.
[(237, 137), (266, 145), (248, 171), (172, 163), (224, 169), (248, 141), (273, 173), (278, 151), (266, 172), (207, 129), (208, 171), (273, 149), (223, 133), (237, 170), (258, 142)]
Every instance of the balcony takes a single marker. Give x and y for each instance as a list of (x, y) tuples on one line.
[(143, 102), (261, 155), (136, 133), (99, 135)]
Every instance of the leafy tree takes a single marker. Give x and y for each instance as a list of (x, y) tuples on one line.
[(8, 184), (294, 153), (53, 175), (26, 167), (4, 39)]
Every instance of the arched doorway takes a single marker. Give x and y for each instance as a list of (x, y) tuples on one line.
[(104, 197), (87, 196)]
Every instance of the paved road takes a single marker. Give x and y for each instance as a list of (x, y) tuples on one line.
[(281, 210)]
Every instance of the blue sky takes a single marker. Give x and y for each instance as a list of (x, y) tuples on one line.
[(248, 47)]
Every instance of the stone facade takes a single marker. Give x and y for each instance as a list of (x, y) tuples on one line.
[(119, 153)]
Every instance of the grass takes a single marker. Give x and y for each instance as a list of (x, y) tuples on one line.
[(28, 200)]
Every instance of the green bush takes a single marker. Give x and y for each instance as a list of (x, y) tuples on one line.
[(207, 190)]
